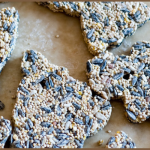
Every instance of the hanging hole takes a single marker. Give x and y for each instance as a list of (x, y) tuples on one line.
[(126, 76), (132, 72), (42, 83)]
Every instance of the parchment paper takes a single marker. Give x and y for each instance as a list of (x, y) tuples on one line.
[(37, 30)]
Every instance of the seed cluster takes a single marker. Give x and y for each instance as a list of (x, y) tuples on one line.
[(9, 19), (53, 109), (5, 131), (124, 77), (120, 140), (104, 24)]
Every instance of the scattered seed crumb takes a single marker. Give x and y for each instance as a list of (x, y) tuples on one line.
[(28, 43), (2, 105), (57, 36), (108, 131), (100, 142), (13, 97), (9, 91)]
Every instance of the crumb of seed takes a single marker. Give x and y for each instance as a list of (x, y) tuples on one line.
[(108, 131), (2, 105), (13, 97), (100, 142), (57, 36)]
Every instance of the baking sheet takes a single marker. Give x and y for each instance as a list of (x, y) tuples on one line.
[(37, 30)]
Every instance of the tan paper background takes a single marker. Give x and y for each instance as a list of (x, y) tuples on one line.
[(37, 30)]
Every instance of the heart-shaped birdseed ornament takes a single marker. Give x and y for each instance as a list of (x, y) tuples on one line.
[(9, 20), (120, 140), (54, 110), (5, 131), (104, 24), (126, 78)]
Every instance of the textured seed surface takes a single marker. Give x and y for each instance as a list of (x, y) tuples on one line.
[(120, 140), (126, 79), (56, 111)]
